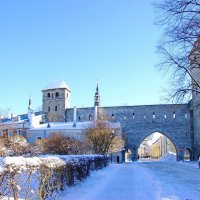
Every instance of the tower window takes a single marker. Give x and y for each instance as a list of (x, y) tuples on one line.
[(49, 109), (154, 116), (67, 95), (90, 118), (133, 115), (52, 95), (48, 95), (79, 118), (57, 94), (56, 108)]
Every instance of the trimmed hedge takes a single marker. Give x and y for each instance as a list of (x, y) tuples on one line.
[(46, 175)]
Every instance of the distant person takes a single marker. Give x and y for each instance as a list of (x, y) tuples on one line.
[(199, 162)]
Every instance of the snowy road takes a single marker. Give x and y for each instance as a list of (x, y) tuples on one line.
[(140, 181)]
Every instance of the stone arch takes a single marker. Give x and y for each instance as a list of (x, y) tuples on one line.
[(162, 133), (134, 139), (188, 154)]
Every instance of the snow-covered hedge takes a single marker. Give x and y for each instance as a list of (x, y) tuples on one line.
[(42, 176)]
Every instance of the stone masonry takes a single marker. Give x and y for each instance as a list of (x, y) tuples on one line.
[(138, 122), (55, 101)]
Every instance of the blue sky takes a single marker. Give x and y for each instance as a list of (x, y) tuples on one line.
[(79, 41)]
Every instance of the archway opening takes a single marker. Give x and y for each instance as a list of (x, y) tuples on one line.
[(128, 156), (157, 146), (187, 156)]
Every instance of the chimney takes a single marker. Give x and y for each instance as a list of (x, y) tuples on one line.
[(75, 113), (95, 113)]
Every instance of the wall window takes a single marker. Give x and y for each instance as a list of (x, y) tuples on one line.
[(90, 118), (174, 115), (133, 115), (186, 116), (48, 95), (79, 118), (57, 94), (67, 95), (56, 108), (154, 116), (49, 109), (52, 95)]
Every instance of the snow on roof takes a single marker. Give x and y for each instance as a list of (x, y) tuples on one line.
[(61, 126), (70, 125), (10, 122), (56, 84)]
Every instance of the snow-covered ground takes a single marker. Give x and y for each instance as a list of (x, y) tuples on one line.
[(164, 179), (140, 181)]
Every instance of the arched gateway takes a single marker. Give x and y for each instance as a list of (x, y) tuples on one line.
[(138, 122)]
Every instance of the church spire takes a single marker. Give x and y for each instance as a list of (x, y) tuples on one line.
[(97, 96), (30, 103)]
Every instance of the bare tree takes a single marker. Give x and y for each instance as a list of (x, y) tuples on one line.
[(103, 138), (4, 112), (179, 47)]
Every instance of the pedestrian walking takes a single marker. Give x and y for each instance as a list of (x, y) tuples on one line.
[(199, 162)]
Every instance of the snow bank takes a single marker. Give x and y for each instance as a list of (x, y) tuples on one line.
[(168, 157)]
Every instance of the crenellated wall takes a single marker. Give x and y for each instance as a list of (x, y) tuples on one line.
[(138, 122)]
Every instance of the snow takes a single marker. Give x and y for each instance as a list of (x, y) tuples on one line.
[(56, 84), (70, 125), (62, 126), (152, 180), (169, 157), (22, 164), (139, 180)]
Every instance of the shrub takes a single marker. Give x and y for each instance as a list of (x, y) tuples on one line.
[(60, 144)]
